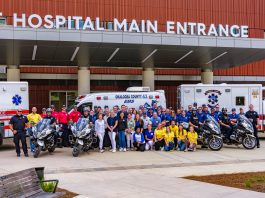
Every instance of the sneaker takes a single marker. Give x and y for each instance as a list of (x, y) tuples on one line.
[(101, 151), (124, 150), (110, 150), (114, 151), (121, 149), (26, 155), (162, 149), (185, 150), (128, 149), (132, 149)]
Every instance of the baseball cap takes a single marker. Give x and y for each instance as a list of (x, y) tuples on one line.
[(233, 109)]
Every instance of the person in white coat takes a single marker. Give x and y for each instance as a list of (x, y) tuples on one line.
[(100, 130)]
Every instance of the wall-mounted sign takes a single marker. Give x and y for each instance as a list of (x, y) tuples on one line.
[(80, 23)]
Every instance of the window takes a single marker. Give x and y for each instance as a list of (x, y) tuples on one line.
[(2, 21), (60, 98), (240, 101)]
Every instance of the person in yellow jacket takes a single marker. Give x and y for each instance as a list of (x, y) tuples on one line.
[(33, 119), (192, 139), (182, 138), (174, 128), (169, 139), (159, 137)]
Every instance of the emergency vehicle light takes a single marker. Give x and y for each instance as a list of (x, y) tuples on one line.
[(98, 98), (157, 97), (80, 97), (105, 98)]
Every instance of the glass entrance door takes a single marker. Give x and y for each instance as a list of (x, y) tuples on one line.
[(60, 98)]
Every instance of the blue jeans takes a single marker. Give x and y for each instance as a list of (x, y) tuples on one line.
[(122, 142), (181, 145), (170, 146), (32, 146)]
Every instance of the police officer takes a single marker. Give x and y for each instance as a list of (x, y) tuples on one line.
[(224, 121), (254, 119), (18, 125), (53, 123), (86, 113), (194, 120)]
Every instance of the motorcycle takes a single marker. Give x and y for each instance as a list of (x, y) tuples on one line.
[(43, 137), (242, 133), (210, 134), (84, 136)]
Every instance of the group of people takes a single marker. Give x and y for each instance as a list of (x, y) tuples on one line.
[(126, 128)]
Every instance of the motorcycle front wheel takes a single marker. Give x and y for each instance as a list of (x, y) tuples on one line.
[(51, 150), (215, 143), (249, 142), (37, 151), (76, 150)]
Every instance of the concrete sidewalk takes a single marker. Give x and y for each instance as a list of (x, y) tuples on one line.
[(148, 174)]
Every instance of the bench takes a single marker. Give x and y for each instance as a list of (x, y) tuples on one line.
[(26, 183)]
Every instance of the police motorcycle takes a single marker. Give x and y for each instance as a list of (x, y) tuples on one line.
[(242, 133), (84, 135), (210, 134), (43, 137)]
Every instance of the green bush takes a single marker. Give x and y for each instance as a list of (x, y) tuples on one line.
[(252, 180), (47, 186)]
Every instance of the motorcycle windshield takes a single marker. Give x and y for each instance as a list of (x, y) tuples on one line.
[(244, 121), (213, 124), (81, 124), (43, 124)]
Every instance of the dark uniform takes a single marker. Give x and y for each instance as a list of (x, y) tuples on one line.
[(227, 131), (253, 118), (19, 123), (194, 119)]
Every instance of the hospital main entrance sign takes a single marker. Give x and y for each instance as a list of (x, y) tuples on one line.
[(139, 26)]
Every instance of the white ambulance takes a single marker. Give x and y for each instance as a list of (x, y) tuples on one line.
[(132, 98), (225, 95), (13, 95)]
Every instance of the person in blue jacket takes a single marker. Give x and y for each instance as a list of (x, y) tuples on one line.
[(214, 115), (138, 140), (233, 116), (183, 117), (189, 112), (200, 115)]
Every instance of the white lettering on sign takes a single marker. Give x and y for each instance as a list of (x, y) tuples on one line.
[(133, 96), (80, 23)]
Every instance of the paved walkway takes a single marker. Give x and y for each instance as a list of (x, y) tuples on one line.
[(148, 174)]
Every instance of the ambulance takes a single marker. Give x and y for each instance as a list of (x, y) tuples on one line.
[(225, 95), (133, 97), (13, 95)]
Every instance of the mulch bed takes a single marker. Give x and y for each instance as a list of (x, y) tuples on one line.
[(248, 181), (67, 194)]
